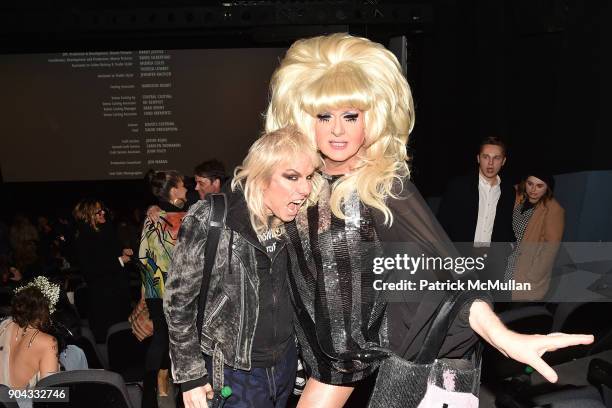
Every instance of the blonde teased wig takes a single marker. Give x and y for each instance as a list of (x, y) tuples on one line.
[(271, 150), (341, 71)]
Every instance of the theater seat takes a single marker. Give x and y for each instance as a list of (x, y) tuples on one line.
[(81, 301), (584, 397), (88, 388), (126, 355), (587, 318), (598, 394), (87, 342), (5, 402)]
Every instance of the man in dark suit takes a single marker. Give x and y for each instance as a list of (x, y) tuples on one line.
[(478, 207), (476, 210)]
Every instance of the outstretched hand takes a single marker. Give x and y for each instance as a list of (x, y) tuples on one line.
[(528, 349), (524, 348)]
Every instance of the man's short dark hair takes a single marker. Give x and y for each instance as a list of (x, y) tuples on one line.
[(492, 140), (212, 169)]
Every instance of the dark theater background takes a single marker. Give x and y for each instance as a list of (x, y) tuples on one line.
[(532, 72)]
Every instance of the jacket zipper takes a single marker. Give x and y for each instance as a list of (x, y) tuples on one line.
[(239, 336), (216, 310), (274, 301), (243, 294)]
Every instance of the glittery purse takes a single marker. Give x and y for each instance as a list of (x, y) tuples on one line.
[(428, 381)]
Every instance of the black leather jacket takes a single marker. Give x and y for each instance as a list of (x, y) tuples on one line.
[(232, 306)]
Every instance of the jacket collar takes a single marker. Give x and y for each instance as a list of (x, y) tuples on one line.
[(238, 216), (542, 205), (482, 180), (238, 219)]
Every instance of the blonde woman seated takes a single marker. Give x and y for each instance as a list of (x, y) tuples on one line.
[(27, 352)]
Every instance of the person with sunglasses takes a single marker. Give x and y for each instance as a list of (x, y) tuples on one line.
[(102, 263)]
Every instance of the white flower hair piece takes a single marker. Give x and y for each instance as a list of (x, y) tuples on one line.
[(49, 289)]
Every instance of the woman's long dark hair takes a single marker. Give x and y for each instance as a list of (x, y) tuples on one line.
[(31, 307)]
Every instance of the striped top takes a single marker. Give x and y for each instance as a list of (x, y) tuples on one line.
[(332, 287)]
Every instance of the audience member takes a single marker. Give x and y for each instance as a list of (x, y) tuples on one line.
[(66, 328), (27, 261), (157, 243), (27, 351), (209, 177), (476, 210), (538, 221), (478, 207), (102, 262), (22, 231)]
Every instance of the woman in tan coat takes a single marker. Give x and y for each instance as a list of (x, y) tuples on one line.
[(538, 221)]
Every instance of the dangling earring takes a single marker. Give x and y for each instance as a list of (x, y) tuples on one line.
[(178, 202)]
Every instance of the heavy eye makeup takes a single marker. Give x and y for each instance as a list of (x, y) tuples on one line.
[(291, 175), (294, 175), (351, 116), (323, 117), (348, 116)]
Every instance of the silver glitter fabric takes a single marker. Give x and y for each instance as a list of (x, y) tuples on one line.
[(340, 319)]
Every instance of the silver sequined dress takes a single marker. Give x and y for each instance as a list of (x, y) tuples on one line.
[(340, 318)]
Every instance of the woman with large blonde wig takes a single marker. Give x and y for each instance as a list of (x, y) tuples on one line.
[(347, 94), (247, 321)]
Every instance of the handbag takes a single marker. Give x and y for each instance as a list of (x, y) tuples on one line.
[(428, 381), (142, 325)]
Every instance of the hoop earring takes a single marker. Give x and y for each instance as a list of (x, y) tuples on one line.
[(178, 203)]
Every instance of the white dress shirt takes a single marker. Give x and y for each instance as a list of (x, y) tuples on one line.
[(488, 196)]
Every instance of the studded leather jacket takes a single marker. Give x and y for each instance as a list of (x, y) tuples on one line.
[(233, 310)]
